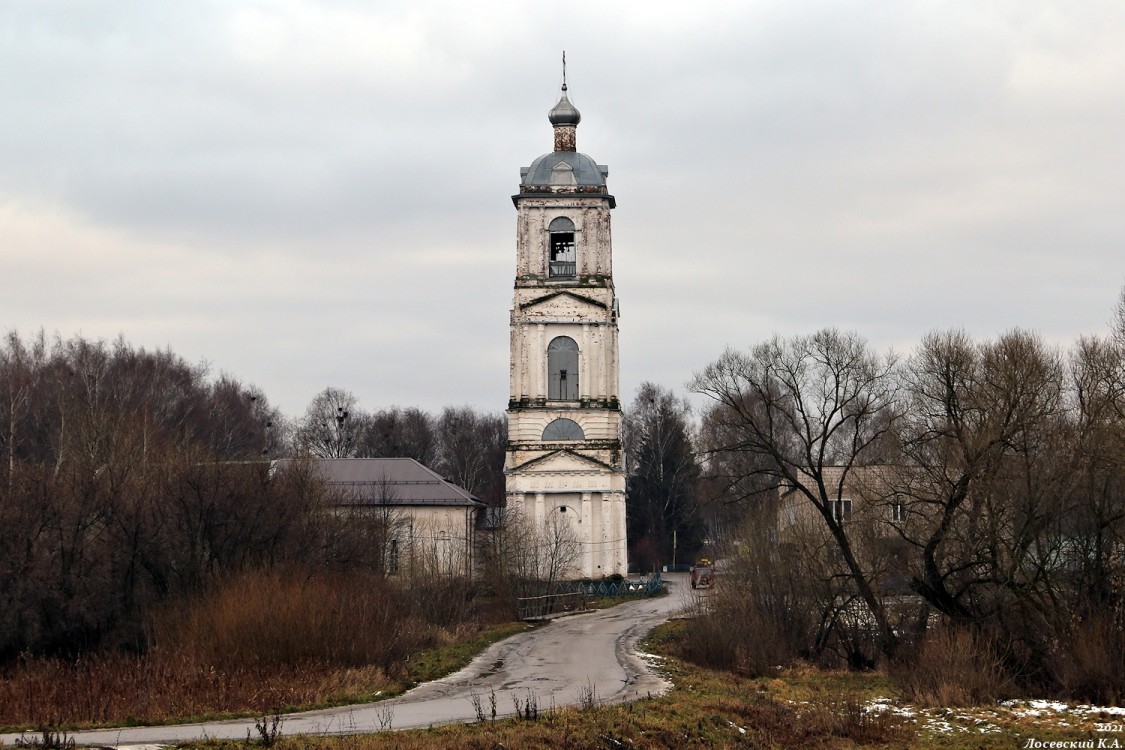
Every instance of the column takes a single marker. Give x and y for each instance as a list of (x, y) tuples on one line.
[(589, 539), (622, 555), (538, 517), (585, 368), (538, 360)]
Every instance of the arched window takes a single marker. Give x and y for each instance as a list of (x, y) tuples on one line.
[(563, 252), (562, 369), (563, 429)]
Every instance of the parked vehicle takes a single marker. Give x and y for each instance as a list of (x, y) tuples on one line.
[(702, 574)]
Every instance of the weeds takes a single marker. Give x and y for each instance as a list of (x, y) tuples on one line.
[(385, 715), (268, 729), (47, 739), (268, 620), (478, 706), (478, 709), (587, 696), (528, 709)]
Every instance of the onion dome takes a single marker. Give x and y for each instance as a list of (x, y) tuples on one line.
[(564, 113)]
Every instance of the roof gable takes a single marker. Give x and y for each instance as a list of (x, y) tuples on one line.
[(564, 459), (557, 302)]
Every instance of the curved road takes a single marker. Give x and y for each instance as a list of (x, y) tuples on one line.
[(567, 662)]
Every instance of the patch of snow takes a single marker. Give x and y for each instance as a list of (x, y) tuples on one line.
[(883, 704), (1110, 710), (1034, 707)]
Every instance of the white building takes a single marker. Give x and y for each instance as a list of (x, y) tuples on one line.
[(423, 523), (565, 463)]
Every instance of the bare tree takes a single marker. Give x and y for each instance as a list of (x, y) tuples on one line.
[(472, 451), (528, 556), (124, 485), (395, 432), (332, 426), (387, 529), (1096, 525), (807, 411), (982, 477), (20, 367)]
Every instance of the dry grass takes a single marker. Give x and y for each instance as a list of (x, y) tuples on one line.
[(1090, 663), (954, 667), (272, 620), (159, 689), (259, 643)]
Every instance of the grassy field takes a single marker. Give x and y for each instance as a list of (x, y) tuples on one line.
[(805, 708)]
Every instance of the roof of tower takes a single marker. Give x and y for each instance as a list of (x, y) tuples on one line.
[(564, 166), (561, 168), (564, 170)]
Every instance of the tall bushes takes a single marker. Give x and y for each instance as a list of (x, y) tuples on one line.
[(266, 620)]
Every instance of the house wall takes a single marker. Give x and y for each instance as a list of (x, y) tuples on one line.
[(423, 540), (441, 541), (867, 490)]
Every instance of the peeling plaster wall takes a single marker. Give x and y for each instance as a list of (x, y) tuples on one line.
[(591, 233)]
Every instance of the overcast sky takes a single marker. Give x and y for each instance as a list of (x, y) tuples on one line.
[(307, 193)]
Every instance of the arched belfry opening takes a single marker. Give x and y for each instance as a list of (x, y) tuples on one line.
[(564, 416), (563, 252)]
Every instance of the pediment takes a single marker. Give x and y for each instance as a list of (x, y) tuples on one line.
[(562, 461), (560, 303), (563, 174)]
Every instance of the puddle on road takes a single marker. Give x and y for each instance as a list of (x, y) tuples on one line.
[(496, 667)]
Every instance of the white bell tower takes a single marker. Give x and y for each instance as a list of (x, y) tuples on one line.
[(565, 467)]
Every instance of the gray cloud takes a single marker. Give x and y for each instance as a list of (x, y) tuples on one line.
[(317, 193)]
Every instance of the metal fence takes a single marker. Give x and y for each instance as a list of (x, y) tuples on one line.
[(574, 596)]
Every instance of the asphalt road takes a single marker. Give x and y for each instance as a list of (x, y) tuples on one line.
[(568, 662)]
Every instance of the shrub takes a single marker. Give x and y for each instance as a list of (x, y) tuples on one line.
[(442, 601), (735, 632), (1089, 664), (953, 667)]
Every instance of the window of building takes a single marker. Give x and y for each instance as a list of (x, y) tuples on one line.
[(563, 253), (563, 429), (898, 511), (392, 557), (842, 510), (562, 369)]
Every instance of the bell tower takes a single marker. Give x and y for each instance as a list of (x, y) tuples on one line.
[(564, 468)]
